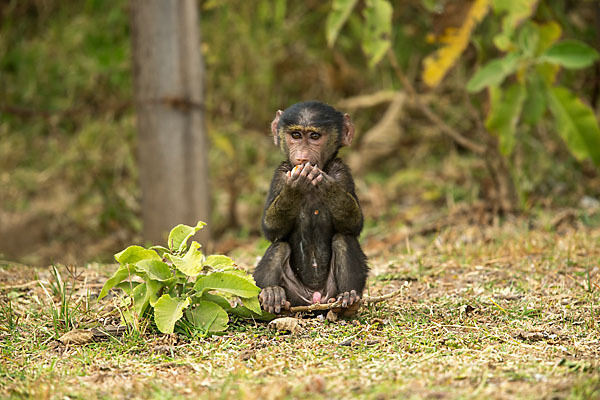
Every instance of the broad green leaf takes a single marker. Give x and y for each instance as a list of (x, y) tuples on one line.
[(515, 12), (143, 293), (208, 317), (152, 300), (502, 41), (154, 269), (494, 72), (179, 236), (377, 33), (505, 109), (576, 124), (127, 287), (535, 104), (549, 33), (167, 311), (139, 301), (191, 263), (219, 262), (570, 54), (215, 298), (528, 39), (242, 274), (337, 17), (252, 304), (227, 283), (119, 276), (547, 72), (133, 254), (161, 250), (245, 313), (127, 313), (250, 309)]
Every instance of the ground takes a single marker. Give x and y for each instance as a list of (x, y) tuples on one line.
[(506, 309)]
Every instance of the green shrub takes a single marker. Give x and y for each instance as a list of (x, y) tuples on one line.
[(182, 287)]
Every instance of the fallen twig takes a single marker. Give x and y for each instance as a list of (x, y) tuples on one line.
[(377, 299), (368, 100), (338, 303), (316, 307), (432, 116)]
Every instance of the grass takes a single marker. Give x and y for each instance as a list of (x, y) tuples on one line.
[(490, 312)]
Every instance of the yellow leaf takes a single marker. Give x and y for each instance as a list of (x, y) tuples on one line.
[(549, 33), (456, 40)]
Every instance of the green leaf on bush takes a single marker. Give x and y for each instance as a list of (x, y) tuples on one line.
[(505, 109), (337, 17), (209, 310), (179, 236), (161, 250), (377, 32), (244, 312), (208, 317), (547, 72), (516, 12), (528, 39), (250, 309), (133, 254), (241, 274), (576, 122), (154, 269), (535, 104), (219, 262), (549, 33), (215, 298), (191, 263), (494, 72), (119, 276), (143, 294), (570, 54), (252, 304), (227, 283), (127, 287), (167, 311)]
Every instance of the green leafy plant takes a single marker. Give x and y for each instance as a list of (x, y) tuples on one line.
[(533, 57), (376, 37), (180, 285), (522, 82)]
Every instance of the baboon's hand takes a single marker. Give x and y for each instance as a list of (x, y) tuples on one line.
[(350, 303), (322, 180), (272, 299), (302, 176)]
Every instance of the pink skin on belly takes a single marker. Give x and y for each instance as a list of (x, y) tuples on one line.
[(316, 297)]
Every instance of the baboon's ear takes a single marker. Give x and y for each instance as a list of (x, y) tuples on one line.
[(274, 127), (347, 131)]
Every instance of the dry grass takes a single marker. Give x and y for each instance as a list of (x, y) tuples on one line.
[(490, 312)]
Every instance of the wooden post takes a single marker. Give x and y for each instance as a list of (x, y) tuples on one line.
[(172, 145)]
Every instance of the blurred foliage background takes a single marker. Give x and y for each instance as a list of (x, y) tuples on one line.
[(68, 173)]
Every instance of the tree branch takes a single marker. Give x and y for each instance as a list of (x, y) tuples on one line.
[(433, 117), (337, 304)]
